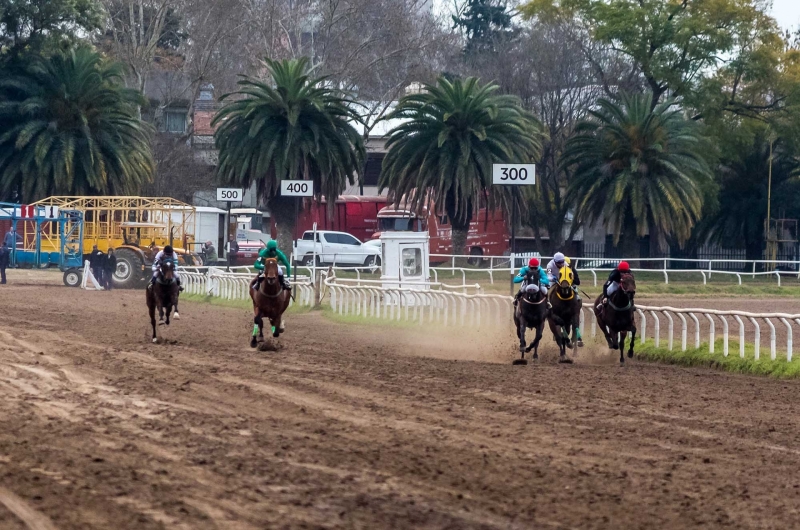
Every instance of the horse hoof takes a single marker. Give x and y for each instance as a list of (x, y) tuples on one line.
[(177, 316), (535, 356), (253, 342), (162, 323), (630, 355), (519, 362), (565, 360), (580, 344), (276, 334), (155, 341)]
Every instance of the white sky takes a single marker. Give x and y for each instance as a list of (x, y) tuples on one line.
[(787, 12)]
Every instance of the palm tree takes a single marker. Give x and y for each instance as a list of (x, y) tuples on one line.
[(68, 126), (639, 171), (444, 151), (295, 127), (743, 177)]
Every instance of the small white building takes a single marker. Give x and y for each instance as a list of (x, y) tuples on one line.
[(405, 260)]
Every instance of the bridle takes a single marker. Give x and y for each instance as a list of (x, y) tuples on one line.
[(627, 295), (264, 280)]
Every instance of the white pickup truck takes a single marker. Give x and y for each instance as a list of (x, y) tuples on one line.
[(340, 248)]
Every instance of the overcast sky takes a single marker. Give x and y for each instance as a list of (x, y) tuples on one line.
[(787, 12)]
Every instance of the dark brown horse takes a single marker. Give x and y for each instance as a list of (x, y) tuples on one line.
[(270, 301), (565, 315), (163, 295), (615, 319), (530, 313)]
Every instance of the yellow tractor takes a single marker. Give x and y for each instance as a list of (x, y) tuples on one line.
[(136, 228)]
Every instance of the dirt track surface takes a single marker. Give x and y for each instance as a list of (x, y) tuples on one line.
[(357, 427)]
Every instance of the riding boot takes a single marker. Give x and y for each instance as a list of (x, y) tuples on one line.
[(517, 297), (285, 283), (180, 287), (152, 282)]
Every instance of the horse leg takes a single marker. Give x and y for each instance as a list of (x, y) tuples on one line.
[(576, 324), (160, 315), (152, 311), (535, 343), (633, 341), (257, 324), (175, 305), (602, 325), (168, 311), (520, 335), (276, 326), (622, 347)]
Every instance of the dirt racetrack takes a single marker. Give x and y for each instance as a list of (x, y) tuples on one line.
[(366, 427)]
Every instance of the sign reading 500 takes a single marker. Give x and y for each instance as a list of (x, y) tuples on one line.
[(514, 174)]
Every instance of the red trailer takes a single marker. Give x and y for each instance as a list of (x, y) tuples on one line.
[(486, 237), (354, 214)]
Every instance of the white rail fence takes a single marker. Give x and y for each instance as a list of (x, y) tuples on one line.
[(467, 305), (501, 265)]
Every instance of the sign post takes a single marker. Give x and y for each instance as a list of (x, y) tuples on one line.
[(230, 195), (297, 189), (513, 175)]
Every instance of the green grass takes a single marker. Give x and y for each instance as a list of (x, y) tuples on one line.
[(732, 363), (239, 304)]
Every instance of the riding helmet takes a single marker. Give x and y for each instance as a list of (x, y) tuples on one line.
[(168, 249), (623, 266), (533, 262), (559, 257), (272, 245)]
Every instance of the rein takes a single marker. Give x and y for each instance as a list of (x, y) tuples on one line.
[(525, 299), (626, 308), (570, 297)]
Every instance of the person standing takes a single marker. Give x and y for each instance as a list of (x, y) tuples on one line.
[(96, 263), (109, 267), (232, 248), (5, 257), (11, 239), (210, 253)]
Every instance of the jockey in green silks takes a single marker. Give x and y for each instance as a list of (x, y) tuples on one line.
[(272, 251)]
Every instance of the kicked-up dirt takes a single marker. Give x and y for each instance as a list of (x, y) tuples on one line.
[(350, 426)]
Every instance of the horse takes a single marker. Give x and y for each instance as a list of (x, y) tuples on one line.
[(163, 295), (531, 313), (616, 318), (565, 315), (270, 300)]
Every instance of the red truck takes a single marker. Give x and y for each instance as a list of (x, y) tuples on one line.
[(486, 237), (354, 214)]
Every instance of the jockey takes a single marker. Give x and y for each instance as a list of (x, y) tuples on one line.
[(554, 268), (166, 255), (531, 269), (612, 284), (272, 251)]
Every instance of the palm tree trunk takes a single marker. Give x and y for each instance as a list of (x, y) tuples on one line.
[(459, 239), (282, 209)]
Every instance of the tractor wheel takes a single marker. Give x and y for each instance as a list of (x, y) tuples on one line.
[(129, 269), (73, 277)]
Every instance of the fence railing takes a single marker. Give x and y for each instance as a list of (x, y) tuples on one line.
[(467, 305)]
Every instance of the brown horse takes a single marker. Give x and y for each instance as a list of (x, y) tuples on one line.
[(615, 319), (163, 295), (565, 315), (270, 300)]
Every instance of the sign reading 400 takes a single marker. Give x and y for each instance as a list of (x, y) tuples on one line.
[(514, 174), (297, 188)]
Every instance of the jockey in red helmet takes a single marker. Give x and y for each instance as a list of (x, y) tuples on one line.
[(528, 277), (612, 284)]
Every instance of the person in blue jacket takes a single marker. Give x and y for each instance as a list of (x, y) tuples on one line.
[(532, 269)]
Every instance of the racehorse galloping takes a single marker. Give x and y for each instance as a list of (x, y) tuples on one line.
[(531, 313), (616, 318), (163, 294), (565, 315), (270, 301)]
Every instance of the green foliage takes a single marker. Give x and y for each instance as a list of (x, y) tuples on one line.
[(487, 24), (638, 170), (42, 26), (714, 54), (452, 134), (743, 178), (293, 128), (69, 127)]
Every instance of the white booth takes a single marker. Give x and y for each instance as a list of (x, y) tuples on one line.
[(405, 260)]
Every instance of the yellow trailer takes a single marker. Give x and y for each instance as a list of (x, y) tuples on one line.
[(136, 228)]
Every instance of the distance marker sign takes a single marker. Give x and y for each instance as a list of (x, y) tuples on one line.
[(297, 188), (514, 174)]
